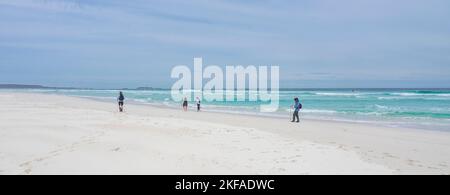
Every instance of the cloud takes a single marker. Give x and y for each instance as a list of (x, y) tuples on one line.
[(311, 39), (48, 5)]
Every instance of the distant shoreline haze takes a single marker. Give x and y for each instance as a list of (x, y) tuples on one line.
[(36, 86)]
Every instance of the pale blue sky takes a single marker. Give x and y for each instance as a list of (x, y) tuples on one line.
[(316, 43)]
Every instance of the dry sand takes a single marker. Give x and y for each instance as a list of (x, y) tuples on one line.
[(51, 134)]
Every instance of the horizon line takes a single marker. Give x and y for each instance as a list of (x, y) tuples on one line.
[(38, 86)]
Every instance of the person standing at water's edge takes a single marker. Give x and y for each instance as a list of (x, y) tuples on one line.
[(185, 104), (198, 104), (297, 106), (121, 99)]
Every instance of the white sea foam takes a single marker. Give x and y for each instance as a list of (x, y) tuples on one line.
[(339, 94), (319, 111), (421, 94), (381, 107), (343, 105)]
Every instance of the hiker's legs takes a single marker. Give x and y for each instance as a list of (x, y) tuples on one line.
[(296, 116), (293, 117), (198, 107), (121, 106)]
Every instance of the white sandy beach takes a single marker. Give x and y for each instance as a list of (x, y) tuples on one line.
[(51, 134)]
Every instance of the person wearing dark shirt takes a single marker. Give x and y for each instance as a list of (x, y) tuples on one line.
[(121, 100)]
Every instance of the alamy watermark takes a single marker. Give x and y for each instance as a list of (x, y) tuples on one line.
[(236, 83)]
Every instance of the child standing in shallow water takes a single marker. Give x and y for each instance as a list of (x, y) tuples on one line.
[(198, 104), (185, 104)]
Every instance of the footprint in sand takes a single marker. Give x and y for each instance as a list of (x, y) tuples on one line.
[(115, 149), (206, 133), (443, 165), (296, 156), (392, 156), (27, 167), (411, 162), (71, 148), (55, 151), (342, 147), (39, 159), (28, 171)]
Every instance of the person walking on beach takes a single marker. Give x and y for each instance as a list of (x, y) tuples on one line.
[(185, 104), (121, 99), (297, 106), (198, 104)]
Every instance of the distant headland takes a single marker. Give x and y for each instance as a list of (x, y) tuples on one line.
[(25, 86)]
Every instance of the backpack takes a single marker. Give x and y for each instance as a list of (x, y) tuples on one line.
[(300, 106)]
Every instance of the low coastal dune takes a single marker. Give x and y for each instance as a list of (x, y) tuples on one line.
[(52, 134)]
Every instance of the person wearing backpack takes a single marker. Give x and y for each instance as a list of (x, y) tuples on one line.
[(121, 99), (297, 106)]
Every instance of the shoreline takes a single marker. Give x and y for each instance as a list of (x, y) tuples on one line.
[(391, 123), (269, 116), (369, 149)]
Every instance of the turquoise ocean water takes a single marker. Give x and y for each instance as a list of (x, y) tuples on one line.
[(413, 108)]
